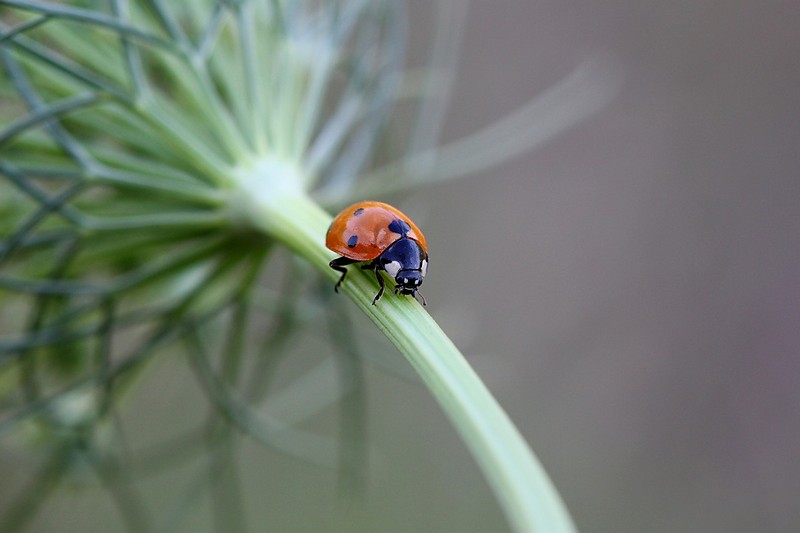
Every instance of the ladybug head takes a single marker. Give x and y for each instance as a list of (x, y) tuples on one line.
[(408, 281)]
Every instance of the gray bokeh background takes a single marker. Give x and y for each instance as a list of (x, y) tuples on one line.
[(630, 291)]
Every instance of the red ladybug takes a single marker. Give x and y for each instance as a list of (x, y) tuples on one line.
[(384, 236)]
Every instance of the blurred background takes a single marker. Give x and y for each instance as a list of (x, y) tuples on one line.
[(629, 292)]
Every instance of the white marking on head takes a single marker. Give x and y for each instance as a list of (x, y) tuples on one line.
[(392, 268)]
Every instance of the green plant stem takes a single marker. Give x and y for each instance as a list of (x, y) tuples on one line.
[(524, 490)]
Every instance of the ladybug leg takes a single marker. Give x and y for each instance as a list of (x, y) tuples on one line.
[(381, 283), (339, 264)]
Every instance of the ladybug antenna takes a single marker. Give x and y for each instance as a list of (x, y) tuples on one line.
[(424, 303)]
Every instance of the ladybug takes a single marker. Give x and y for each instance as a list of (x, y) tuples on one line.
[(384, 236)]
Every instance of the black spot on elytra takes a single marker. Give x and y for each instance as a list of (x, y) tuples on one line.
[(399, 226), (352, 241), (358, 211)]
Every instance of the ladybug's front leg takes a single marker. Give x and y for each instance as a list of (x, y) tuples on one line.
[(374, 267), (339, 264)]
